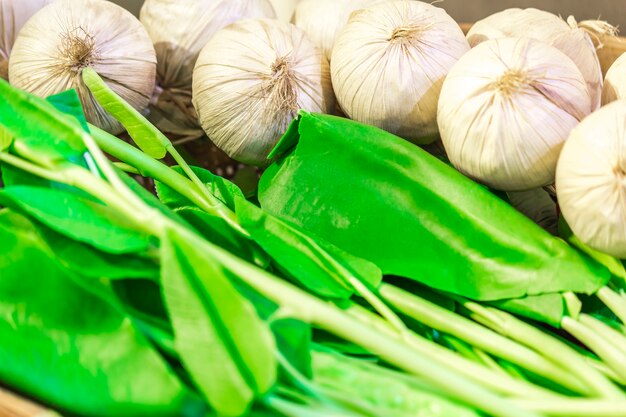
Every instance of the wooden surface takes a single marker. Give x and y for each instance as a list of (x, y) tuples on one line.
[(12, 405)]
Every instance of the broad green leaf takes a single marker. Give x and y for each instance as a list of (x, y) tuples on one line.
[(322, 269), (69, 348), (293, 338), (223, 344), (78, 218), (86, 260), (221, 188), (145, 135), (386, 200), (546, 308), (69, 103), (613, 264), (5, 140), (220, 233), (39, 129)]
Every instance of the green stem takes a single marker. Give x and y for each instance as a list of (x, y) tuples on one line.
[(152, 168), (472, 353), (612, 356), (614, 302), (330, 318), (491, 342), (575, 407), (494, 381), (126, 168), (550, 347)]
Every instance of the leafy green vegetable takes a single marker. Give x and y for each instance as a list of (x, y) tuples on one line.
[(39, 131), (383, 199), (222, 342), (224, 190), (68, 347), (76, 217)]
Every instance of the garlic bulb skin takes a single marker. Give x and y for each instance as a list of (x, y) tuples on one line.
[(548, 28), (181, 28), (13, 15), (388, 65), (322, 20), (591, 180), (69, 35), (615, 81), (505, 110), (285, 8), (251, 79)]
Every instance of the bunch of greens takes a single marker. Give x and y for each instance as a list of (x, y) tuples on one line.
[(203, 302)]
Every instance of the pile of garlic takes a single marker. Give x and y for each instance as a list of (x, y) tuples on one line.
[(68, 35), (179, 30)]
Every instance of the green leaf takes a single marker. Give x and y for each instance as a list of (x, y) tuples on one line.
[(386, 200), (546, 308), (40, 130), (5, 140), (69, 348), (222, 342), (325, 270), (220, 233), (78, 218), (293, 338), (221, 188), (145, 135), (611, 263), (69, 103), (86, 260)]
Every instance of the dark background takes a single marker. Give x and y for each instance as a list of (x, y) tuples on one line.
[(614, 11)]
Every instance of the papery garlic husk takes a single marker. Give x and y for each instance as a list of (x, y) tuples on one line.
[(322, 20), (388, 65), (285, 8), (591, 180), (179, 30), (546, 27), (13, 15), (69, 35), (505, 110), (251, 79), (615, 81)]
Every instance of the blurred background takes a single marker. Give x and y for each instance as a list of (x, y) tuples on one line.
[(613, 11)]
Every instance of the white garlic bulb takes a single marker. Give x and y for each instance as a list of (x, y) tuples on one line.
[(591, 180), (505, 110), (251, 79), (69, 35), (13, 15), (388, 65), (322, 20), (548, 28), (615, 81), (179, 30), (285, 8)]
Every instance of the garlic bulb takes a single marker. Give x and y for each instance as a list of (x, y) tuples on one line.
[(179, 30), (388, 65), (548, 28), (251, 79), (285, 8), (13, 15), (69, 35), (615, 81), (322, 20), (505, 110), (591, 180)]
